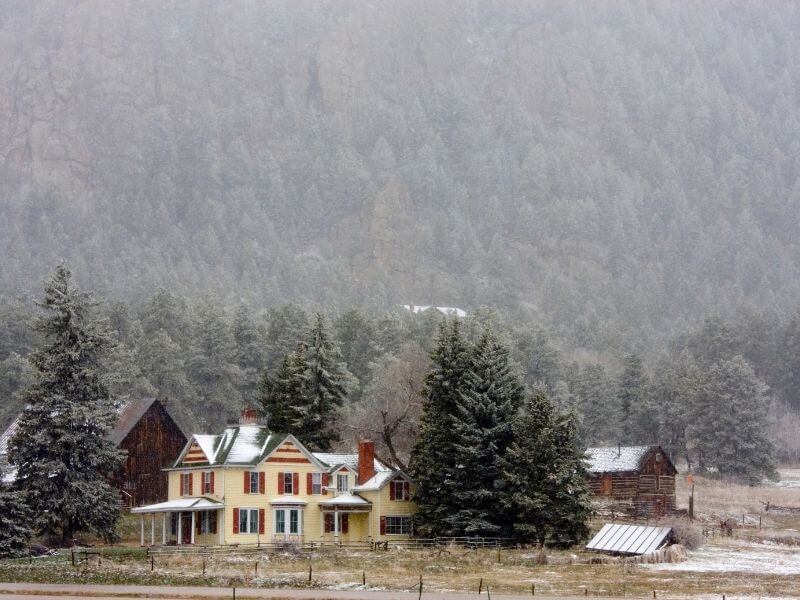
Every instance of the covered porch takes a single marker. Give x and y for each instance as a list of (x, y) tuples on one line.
[(346, 518), (183, 521)]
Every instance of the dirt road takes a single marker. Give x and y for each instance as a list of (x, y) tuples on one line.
[(42, 591)]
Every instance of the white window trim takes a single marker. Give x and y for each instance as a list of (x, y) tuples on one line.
[(185, 484), (313, 484), (407, 517), (346, 478), (247, 510), (254, 478), (288, 483), (287, 520), (205, 482)]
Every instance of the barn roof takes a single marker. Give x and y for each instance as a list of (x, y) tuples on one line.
[(616, 459), (130, 414), (629, 539)]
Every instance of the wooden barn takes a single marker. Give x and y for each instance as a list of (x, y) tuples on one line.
[(151, 439), (635, 480)]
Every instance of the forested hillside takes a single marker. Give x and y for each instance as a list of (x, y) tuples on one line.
[(626, 165)]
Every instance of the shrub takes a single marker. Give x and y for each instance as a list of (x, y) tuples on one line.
[(684, 532)]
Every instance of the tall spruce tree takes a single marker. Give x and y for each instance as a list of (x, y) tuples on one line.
[(639, 417), (15, 518), (729, 422), (61, 450), (433, 459), (546, 492), (482, 430), (285, 398), (328, 381)]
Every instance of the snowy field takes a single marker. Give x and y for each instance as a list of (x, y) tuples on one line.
[(790, 480), (739, 557)]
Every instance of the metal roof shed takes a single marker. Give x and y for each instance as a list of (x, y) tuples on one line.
[(629, 539)]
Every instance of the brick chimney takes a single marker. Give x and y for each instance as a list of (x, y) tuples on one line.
[(249, 417), (366, 461)]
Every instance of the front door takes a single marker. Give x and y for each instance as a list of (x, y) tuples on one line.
[(606, 484), (186, 528)]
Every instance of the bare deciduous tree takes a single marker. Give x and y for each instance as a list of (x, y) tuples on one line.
[(390, 409)]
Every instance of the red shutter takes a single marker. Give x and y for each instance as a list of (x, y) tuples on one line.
[(309, 484), (212, 483), (383, 525), (280, 484), (296, 483), (236, 520), (262, 484), (391, 491), (345, 523), (325, 482), (181, 478), (247, 482), (261, 521), (328, 522), (406, 491), (191, 485)]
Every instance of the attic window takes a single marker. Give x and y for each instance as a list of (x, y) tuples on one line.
[(658, 457)]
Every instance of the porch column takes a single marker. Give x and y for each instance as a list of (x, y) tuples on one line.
[(335, 522), (220, 524), (164, 529), (322, 525), (191, 537), (180, 527), (153, 529), (369, 523), (142, 528)]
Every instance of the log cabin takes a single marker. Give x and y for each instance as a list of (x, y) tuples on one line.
[(151, 439), (636, 480)]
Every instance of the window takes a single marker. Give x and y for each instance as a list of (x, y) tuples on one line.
[(398, 525), (248, 520), (287, 520), (288, 483), (316, 483), (341, 482), (186, 484), (399, 490), (253, 482), (173, 523), (208, 482), (208, 521)]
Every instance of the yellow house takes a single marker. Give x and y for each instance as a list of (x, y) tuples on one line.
[(249, 485)]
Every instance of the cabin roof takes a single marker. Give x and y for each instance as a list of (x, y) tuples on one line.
[(616, 459)]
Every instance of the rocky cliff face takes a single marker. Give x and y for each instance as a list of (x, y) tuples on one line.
[(635, 161)]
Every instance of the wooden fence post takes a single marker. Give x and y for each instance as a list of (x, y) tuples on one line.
[(309, 573), (420, 587), (480, 585)]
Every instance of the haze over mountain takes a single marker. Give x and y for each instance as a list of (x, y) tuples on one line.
[(633, 163)]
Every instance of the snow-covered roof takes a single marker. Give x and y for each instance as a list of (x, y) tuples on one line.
[(287, 500), (350, 461), (181, 504), (6, 436), (616, 459), (376, 482), (448, 311), (345, 499)]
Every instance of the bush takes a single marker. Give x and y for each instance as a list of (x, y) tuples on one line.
[(684, 532)]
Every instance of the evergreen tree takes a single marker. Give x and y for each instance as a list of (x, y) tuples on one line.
[(597, 405), (546, 492), (15, 518), (61, 450), (482, 431), (248, 352), (639, 421), (328, 380), (285, 398), (729, 430), (433, 459)]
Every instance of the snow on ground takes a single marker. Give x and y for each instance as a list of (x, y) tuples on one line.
[(739, 557), (790, 480)]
